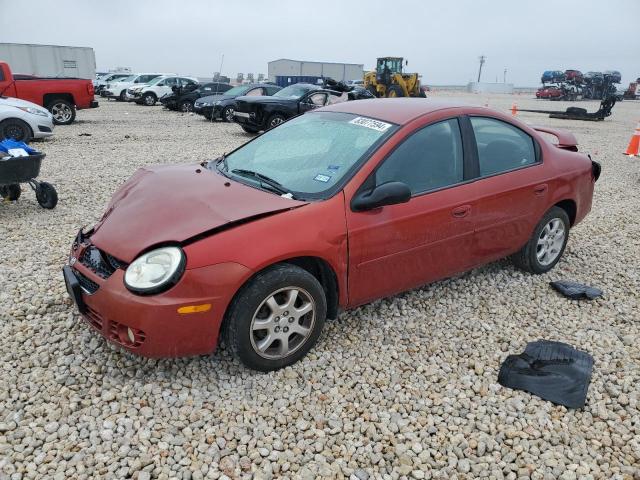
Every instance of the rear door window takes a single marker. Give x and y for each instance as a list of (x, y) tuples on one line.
[(501, 146)]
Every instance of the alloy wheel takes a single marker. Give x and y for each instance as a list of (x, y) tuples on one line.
[(229, 114), (61, 112), (276, 121), (550, 241), (282, 323)]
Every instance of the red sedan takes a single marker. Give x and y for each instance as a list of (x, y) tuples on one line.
[(330, 210), (549, 92)]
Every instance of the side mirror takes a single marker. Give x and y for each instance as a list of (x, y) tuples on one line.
[(389, 193)]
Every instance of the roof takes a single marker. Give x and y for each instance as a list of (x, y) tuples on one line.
[(320, 63), (394, 110)]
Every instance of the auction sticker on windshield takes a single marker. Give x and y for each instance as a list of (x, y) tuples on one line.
[(371, 123)]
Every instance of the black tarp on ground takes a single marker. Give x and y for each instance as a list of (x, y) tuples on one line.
[(553, 371)]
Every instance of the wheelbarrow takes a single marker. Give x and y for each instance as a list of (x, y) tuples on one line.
[(17, 170)]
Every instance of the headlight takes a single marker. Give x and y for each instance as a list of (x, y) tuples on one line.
[(218, 102), (34, 111), (155, 271)]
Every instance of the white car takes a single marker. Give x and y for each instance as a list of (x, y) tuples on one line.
[(118, 90), (150, 93), (22, 120), (101, 82)]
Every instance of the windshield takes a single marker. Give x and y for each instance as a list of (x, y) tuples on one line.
[(293, 91), (239, 90), (155, 81), (130, 78), (311, 153)]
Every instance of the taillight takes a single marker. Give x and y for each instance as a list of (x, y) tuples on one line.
[(595, 169), (90, 89)]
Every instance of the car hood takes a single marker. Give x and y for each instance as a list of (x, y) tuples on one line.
[(172, 204)]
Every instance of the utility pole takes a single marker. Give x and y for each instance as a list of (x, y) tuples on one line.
[(504, 79), (482, 58)]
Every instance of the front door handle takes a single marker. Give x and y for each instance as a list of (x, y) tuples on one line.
[(461, 211), (541, 189)]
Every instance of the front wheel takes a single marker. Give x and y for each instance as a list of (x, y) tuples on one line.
[(149, 99), (227, 114), (16, 129), (395, 91), (275, 120), (276, 318), (546, 245), (186, 106), (64, 112)]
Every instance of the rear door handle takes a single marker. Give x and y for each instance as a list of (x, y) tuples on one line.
[(541, 189), (461, 211)]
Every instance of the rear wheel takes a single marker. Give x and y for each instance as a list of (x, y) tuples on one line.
[(276, 318), (63, 111), (546, 245), (11, 192), (16, 129), (46, 195), (395, 91)]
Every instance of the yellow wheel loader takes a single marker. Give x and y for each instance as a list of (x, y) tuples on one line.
[(388, 80)]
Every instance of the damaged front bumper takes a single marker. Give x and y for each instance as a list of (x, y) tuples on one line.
[(157, 326)]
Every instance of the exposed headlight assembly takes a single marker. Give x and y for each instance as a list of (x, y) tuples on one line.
[(34, 111), (155, 271)]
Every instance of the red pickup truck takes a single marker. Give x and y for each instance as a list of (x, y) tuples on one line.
[(61, 96)]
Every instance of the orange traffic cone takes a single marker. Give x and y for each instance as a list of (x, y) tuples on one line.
[(633, 150), (514, 109)]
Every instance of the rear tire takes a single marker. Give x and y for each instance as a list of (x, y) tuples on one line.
[(545, 247), (64, 112), (123, 96), (265, 327), (46, 195), (15, 128), (11, 192)]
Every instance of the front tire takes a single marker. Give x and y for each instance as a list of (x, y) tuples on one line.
[(186, 106), (46, 195), (227, 114), (149, 99), (16, 129), (64, 112), (275, 120), (395, 91), (276, 318), (546, 245)]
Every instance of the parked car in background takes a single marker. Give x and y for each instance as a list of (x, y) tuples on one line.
[(61, 96), (118, 89), (333, 209), (222, 106), (149, 93), (262, 113), (24, 121), (101, 82), (549, 92), (183, 98)]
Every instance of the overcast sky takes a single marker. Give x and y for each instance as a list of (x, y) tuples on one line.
[(442, 40)]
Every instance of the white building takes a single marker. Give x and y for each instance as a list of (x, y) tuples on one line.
[(285, 68)]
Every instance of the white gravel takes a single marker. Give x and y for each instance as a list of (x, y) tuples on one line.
[(402, 388)]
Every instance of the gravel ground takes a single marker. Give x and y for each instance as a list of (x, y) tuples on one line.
[(405, 387)]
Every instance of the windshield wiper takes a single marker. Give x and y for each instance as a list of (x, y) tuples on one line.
[(274, 184)]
